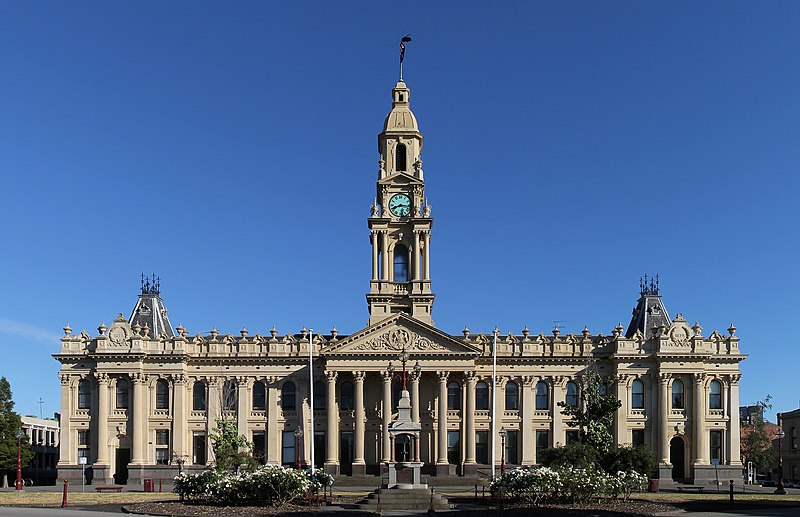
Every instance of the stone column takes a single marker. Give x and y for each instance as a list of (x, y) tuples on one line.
[(663, 422), (65, 433), (528, 435), (470, 465), (179, 412), (442, 467), (415, 255), (699, 417), (734, 454), (374, 238), (415, 396), (103, 408), (214, 412), (139, 420), (274, 437), (243, 404), (385, 255), (332, 429), (386, 412), (559, 436), (359, 431), (621, 417), (427, 266)]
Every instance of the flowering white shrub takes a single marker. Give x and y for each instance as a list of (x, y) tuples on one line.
[(566, 484), (270, 485)]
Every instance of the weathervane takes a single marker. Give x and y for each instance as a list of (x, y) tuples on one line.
[(403, 42)]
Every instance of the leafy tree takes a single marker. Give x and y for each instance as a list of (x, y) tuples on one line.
[(231, 450), (625, 459), (756, 443), (578, 454), (594, 413), (10, 423)]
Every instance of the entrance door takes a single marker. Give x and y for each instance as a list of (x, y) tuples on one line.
[(121, 466), (346, 452), (676, 457)]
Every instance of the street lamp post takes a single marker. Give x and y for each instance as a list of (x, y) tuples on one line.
[(19, 434), (298, 433), (780, 489), (502, 451)]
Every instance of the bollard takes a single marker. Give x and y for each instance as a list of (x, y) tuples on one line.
[(430, 508), (64, 498), (731, 492), (159, 485)]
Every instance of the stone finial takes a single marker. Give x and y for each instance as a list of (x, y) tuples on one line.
[(273, 332), (556, 331), (181, 331), (214, 333), (526, 332), (585, 332), (304, 332), (67, 330), (732, 330), (697, 329), (146, 330), (620, 329), (137, 329), (102, 328), (465, 331), (243, 332), (496, 331), (334, 333)]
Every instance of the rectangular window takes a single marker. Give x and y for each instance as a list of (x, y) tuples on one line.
[(162, 447), (637, 437), (512, 447), (482, 447), (289, 448), (199, 448), (83, 452), (572, 436), (454, 447), (260, 447), (716, 446), (542, 440), (83, 438)]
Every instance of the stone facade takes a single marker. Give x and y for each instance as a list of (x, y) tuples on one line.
[(790, 422), (146, 397)]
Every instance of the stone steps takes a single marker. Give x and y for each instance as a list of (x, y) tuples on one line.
[(403, 499)]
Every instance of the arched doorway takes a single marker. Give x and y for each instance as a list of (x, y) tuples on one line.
[(122, 457), (677, 452)]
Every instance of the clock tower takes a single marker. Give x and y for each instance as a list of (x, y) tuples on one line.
[(400, 221)]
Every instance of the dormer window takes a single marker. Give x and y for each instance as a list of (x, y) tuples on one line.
[(400, 157)]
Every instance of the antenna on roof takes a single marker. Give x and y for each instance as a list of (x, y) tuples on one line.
[(41, 401), (559, 324)]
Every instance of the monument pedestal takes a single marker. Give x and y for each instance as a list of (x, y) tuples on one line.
[(405, 475)]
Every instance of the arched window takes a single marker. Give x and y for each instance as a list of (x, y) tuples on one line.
[(199, 396), (715, 395), (677, 395), (123, 389), (346, 400), (512, 396), (400, 157), (481, 396), (162, 394), (288, 395), (230, 396), (637, 394), (453, 396), (542, 397), (572, 394), (259, 395), (400, 263), (319, 396), (84, 395)]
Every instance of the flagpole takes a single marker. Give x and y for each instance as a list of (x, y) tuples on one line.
[(311, 390), (494, 398)]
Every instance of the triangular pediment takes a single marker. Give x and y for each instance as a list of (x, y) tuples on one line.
[(392, 335), (400, 178)]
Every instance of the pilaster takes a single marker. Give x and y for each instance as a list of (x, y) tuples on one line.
[(359, 463), (332, 417), (442, 467)]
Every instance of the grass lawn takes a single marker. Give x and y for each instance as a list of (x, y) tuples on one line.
[(670, 497), (29, 498)]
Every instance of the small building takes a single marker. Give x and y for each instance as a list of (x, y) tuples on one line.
[(791, 444), (43, 434)]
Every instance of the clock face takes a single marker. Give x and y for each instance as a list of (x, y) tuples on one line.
[(400, 205)]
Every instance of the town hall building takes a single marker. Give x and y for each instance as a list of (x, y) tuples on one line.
[(140, 398)]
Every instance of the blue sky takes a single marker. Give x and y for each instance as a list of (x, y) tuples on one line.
[(570, 147)]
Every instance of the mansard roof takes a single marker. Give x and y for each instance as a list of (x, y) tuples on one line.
[(150, 311), (650, 311)]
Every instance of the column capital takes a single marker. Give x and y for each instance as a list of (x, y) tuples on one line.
[(387, 376), (65, 379), (470, 376), (622, 378), (272, 380), (528, 380), (359, 376), (414, 376), (138, 378), (443, 375), (179, 378), (699, 377), (664, 378), (331, 375), (734, 378), (102, 377)]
